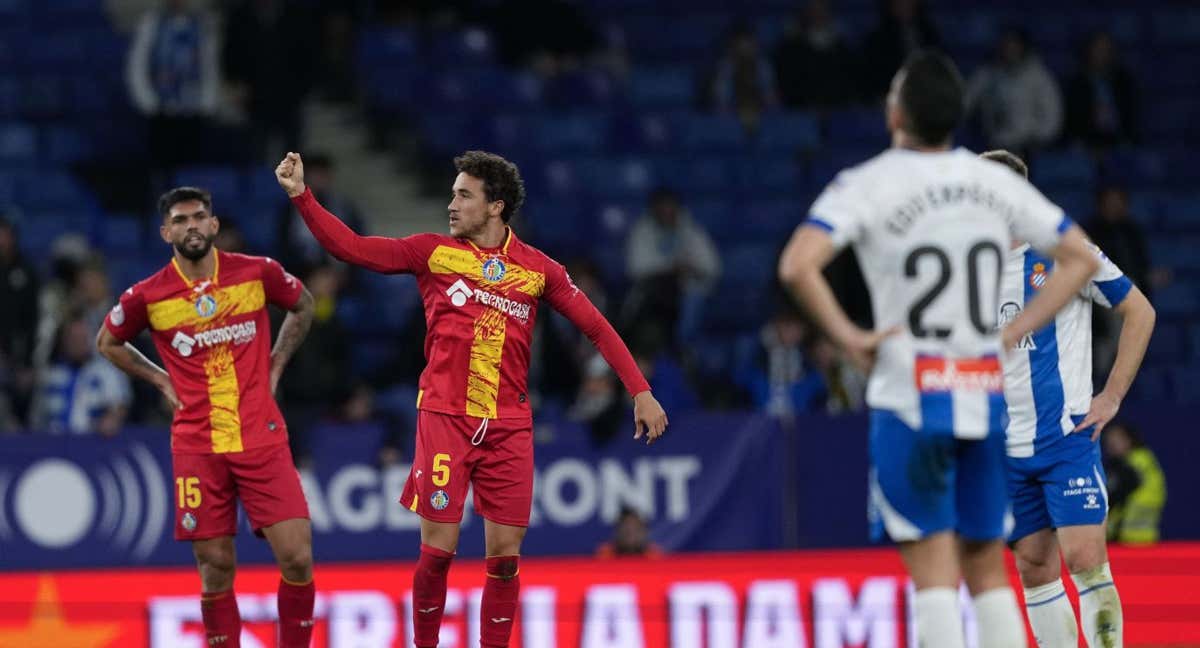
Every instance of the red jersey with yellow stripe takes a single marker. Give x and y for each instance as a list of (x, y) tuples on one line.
[(480, 307), (214, 339)]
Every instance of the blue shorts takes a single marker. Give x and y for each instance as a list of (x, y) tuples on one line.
[(925, 482), (1061, 485)]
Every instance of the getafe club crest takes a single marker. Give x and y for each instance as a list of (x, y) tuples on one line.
[(206, 305), (439, 500), (188, 522), (494, 270)]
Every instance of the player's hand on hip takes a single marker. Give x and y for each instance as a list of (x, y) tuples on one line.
[(1104, 409), (862, 345), (290, 174), (649, 419)]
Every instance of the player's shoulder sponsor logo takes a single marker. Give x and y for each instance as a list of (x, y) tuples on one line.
[(118, 315), (439, 500), (1037, 278), (494, 269), (206, 305)]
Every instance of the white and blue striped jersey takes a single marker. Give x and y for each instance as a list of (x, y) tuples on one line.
[(1048, 377), (931, 231)]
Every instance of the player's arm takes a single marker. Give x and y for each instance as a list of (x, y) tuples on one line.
[(1074, 265), (291, 333), (566, 298), (127, 358), (1137, 325), (800, 270), (378, 253)]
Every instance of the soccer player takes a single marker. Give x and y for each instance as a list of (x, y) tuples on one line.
[(480, 286), (207, 313), (1055, 477), (931, 225)]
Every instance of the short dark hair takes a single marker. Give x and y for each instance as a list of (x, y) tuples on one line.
[(1007, 159), (932, 96), (183, 194), (501, 179)]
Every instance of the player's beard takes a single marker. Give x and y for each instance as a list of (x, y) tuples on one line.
[(465, 229), (195, 252)]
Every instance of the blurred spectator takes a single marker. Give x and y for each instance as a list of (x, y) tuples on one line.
[(814, 63), (172, 74), (904, 27), (665, 375), (673, 265), (781, 380), (299, 249), (1120, 236), (845, 384), (80, 392), (1137, 489), (18, 327), (91, 293), (561, 351), (631, 537), (744, 82), (1018, 101), (68, 254), (1101, 98), (317, 380), (230, 238), (268, 60), (599, 403), (551, 36)]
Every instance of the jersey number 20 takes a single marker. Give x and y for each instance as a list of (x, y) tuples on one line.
[(979, 316)]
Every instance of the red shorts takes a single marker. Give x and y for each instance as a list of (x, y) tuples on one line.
[(446, 462), (207, 485)]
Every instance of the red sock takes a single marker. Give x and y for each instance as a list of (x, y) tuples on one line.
[(499, 601), (429, 595), (222, 623), (295, 614)]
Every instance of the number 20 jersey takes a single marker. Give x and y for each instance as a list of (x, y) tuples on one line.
[(931, 231)]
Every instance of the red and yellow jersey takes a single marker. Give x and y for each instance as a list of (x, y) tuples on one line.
[(480, 307), (214, 338)]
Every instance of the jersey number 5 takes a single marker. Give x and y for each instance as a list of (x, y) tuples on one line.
[(982, 319), (441, 469)]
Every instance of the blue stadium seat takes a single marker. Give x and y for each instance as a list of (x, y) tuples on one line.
[(1168, 344), (224, 183), (46, 96), (859, 127), (10, 98), (1193, 335), (699, 175), (1137, 167), (711, 133), (1177, 300), (18, 143), (615, 219), (789, 132), (1177, 252), (773, 173), (580, 89), (1153, 383), (630, 178), (674, 38), (1079, 205), (393, 87), (65, 145), (661, 87), (1185, 384), (1071, 170), (719, 217), (1181, 213), (771, 221), (452, 132), (575, 132), (383, 46), (971, 29), (1176, 26), (471, 46), (122, 235), (260, 187), (49, 189)]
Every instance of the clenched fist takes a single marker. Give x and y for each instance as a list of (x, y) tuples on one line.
[(290, 174)]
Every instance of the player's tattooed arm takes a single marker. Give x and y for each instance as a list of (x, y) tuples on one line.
[(291, 334), (127, 358)]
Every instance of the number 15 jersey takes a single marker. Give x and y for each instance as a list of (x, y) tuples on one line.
[(931, 231)]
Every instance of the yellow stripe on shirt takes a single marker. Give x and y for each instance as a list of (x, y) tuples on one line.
[(239, 299)]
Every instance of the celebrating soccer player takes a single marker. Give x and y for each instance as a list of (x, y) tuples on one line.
[(480, 286), (1055, 477), (207, 312), (931, 225)]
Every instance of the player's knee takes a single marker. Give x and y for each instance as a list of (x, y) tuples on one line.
[(503, 568), (296, 563), (1083, 558), (216, 557)]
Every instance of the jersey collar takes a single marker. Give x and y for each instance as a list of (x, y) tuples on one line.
[(1018, 252), (508, 238), (192, 284)]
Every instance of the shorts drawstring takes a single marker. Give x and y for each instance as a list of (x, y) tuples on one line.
[(480, 433)]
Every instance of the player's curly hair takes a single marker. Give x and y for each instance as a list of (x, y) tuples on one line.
[(501, 179)]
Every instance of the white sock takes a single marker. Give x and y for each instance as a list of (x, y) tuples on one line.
[(1051, 616), (939, 621), (1100, 607), (999, 620)]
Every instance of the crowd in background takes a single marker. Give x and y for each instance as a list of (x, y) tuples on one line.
[(226, 84)]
